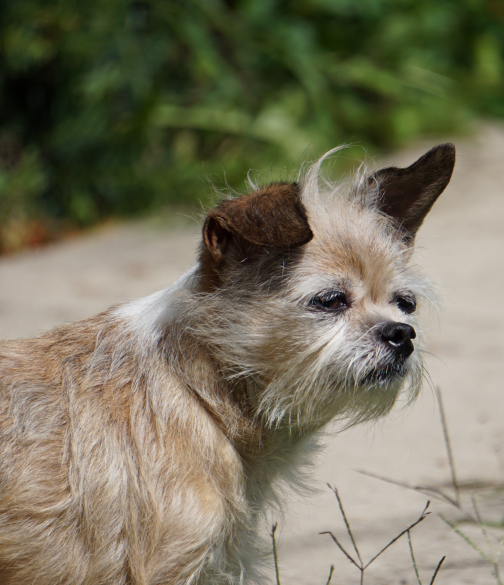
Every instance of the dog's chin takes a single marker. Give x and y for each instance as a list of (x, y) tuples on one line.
[(385, 375)]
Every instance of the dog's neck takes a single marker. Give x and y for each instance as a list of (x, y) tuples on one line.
[(164, 322)]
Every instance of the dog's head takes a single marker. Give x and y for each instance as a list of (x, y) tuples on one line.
[(308, 297)]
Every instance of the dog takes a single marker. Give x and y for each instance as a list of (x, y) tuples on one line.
[(141, 446)]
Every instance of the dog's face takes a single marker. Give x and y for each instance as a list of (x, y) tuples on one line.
[(310, 298)]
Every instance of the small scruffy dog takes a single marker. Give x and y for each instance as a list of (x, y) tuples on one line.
[(139, 447)]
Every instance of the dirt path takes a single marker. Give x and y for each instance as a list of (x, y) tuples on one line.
[(462, 246)]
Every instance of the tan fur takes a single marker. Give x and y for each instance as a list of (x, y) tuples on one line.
[(140, 447)]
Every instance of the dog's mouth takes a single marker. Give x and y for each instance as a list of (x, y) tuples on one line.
[(386, 374)]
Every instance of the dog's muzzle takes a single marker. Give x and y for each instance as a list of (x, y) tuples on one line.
[(397, 339)]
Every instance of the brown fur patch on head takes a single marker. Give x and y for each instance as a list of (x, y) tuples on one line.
[(272, 217)]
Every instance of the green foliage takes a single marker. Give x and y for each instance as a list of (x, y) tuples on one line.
[(116, 106)]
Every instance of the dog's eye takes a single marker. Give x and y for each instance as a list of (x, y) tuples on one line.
[(333, 301), (407, 304)]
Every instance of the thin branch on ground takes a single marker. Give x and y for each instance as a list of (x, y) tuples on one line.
[(275, 556), (359, 563), (335, 490), (466, 538), (413, 558), (481, 525), (331, 571), (437, 570), (429, 491), (423, 515), (449, 451)]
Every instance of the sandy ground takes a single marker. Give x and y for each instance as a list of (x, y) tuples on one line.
[(460, 245)]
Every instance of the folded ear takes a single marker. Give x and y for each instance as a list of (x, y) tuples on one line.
[(408, 194), (273, 217)]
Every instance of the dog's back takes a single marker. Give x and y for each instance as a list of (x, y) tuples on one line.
[(101, 481)]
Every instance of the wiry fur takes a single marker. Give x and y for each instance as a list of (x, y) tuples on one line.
[(140, 446)]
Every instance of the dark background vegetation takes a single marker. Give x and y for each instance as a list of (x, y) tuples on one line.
[(115, 107)]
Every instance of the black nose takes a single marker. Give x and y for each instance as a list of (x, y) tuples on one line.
[(398, 336)]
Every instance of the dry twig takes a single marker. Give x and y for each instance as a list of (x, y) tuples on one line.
[(358, 562)]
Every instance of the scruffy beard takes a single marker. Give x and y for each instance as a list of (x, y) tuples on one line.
[(313, 402), (386, 375), (376, 366)]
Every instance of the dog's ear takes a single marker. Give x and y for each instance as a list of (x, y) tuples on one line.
[(408, 194), (272, 217)]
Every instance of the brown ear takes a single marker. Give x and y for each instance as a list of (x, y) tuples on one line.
[(408, 194), (273, 217)]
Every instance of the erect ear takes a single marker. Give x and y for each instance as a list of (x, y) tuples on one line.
[(273, 217), (408, 194)]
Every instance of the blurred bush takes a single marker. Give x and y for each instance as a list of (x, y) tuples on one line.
[(114, 106)]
